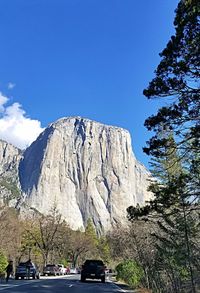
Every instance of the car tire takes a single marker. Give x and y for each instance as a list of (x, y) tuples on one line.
[(82, 279), (103, 279), (16, 278)]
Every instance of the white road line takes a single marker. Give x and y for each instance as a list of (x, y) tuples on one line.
[(8, 286)]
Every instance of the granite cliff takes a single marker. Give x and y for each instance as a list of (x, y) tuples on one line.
[(10, 157), (85, 169)]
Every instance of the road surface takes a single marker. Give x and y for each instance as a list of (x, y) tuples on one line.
[(63, 284)]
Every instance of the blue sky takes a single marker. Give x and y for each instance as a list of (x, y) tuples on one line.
[(90, 58)]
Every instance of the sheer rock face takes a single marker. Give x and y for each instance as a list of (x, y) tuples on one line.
[(9, 181), (85, 169), (9, 157)]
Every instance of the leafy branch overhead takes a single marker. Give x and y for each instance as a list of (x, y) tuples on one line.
[(177, 76)]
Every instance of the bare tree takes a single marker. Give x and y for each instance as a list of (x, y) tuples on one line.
[(80, 245), (42, 231), (10, 231)]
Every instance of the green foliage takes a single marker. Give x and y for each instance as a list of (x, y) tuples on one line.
[(180, 269), (28, 242), (41, 234), (178, 76), (172, 244), (65, 262), (130, 272), (104, 249), (3, 262), (91, 232), (12, 188), (175, 149)]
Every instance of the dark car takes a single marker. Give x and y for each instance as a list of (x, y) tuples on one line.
[(27, 270), (93, 269), (51, 270)]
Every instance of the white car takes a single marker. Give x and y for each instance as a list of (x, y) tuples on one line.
[(62, 269), (73, 271)]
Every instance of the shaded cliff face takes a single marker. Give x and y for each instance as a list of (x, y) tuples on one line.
[(85, 169), (9, 181)]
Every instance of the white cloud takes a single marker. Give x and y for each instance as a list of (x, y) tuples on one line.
[(11, 85), (15, 127), (3, 100)]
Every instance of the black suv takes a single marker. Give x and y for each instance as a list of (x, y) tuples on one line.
[(93, 269), (26, 271)]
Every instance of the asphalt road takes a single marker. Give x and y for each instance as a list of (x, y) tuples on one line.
[(64, 284)]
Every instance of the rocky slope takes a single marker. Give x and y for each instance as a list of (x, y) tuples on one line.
[(85, 169), (9, 180)]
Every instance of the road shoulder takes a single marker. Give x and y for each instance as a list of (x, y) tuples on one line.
[(127, 289)]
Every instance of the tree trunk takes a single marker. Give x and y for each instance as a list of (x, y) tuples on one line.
[(193, 290)]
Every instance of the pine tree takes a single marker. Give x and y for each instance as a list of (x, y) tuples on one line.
[(91, 232), (176, 156), (171, 212), (178, 77)]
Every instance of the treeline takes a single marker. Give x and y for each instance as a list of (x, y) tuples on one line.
[(47, 239), (150, 252)]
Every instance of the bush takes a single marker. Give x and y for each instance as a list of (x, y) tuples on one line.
[(130, 272), (3, 262)]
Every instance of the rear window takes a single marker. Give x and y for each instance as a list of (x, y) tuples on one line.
[(24, 265), (94, 263), (21, 264)]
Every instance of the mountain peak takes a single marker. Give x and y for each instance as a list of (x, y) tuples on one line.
[(85, 168), (81, 120)]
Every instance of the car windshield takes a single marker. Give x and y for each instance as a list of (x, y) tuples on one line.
[(24, 264), (94, 262)]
